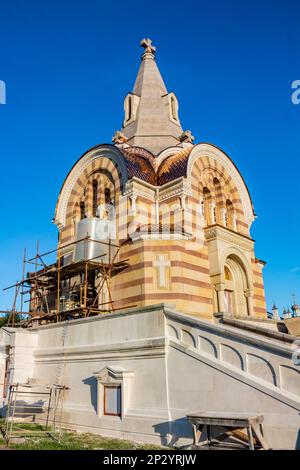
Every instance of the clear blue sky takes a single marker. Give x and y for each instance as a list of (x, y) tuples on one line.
[(68, 65)]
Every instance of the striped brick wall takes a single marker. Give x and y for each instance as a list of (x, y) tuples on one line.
[(107, 175), (204, 172), (259, 290), (188, 282), (188, 285)]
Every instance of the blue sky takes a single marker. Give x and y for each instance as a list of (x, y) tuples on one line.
[(67, 66)]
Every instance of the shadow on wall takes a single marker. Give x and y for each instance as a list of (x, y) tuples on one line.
[(24, 409), (171, 431), (92, 383)]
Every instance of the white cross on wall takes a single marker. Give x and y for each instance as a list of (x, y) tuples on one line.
[(161, 263)]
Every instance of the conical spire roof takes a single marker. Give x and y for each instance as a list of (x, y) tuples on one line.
[(151, 113)]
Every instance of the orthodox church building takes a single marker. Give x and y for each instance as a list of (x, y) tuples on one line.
[(183, 211), (155, 306)]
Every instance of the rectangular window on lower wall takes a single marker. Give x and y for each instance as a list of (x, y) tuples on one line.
[(112, 400)]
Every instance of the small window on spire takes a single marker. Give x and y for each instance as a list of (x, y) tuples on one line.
[(129, 109), (173, 108)]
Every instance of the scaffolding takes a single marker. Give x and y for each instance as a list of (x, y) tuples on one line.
[(66, 290), (27, 405)]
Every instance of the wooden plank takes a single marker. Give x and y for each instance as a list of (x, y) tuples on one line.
[(197, 431), (258, 432), (226, 419), (236, 433), (225, 415), (250, 436), (220, 422)]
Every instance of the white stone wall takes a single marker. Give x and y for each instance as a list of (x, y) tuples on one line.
[(223, 368), (177, 365)]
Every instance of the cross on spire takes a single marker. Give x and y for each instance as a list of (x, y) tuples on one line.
[(146, 43)]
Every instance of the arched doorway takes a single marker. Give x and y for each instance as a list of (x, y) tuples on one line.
[(236, 287)]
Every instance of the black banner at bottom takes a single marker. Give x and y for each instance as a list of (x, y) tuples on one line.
[(137, 458)]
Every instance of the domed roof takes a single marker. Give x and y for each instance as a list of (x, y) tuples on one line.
[(143, 165), (172, 167), (140, 163)]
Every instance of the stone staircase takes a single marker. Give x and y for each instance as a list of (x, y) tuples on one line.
[(226, 366)]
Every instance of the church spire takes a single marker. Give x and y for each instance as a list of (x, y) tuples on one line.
[(151, 113)]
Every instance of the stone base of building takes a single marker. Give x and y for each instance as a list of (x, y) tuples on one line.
[(165, 365)]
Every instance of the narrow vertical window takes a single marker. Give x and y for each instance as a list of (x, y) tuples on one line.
[(214, 213), (218, 200), (172, 221), (82, 210), (95, 197), (173, 108), (202, 207), (206, 206), (229, 214), (107, 196), (129, 109)]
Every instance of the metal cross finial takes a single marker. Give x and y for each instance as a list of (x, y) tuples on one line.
[(146, 43)]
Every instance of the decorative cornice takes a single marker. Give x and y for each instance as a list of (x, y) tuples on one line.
[(229, 236), (136, 187), (134, 349), (113, 374), (179, 191)]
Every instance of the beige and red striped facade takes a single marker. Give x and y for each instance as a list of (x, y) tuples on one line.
[(198, 193)]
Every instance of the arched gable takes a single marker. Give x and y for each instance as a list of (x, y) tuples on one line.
[(105, 157), (205, 156)]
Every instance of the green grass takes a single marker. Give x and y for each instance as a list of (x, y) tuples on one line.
[(69, 440)]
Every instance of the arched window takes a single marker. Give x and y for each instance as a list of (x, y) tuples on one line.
[(107, 196), (95, 197), (129, 108), (229, 217), (214, 213), (236, 285), (228, 275), (172, 220), (202, 208), (173, 108), (207, 206), (217, 186), (82, 210), (218, 201), (228, 291)]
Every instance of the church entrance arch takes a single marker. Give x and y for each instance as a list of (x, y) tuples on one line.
[(236, 287)]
